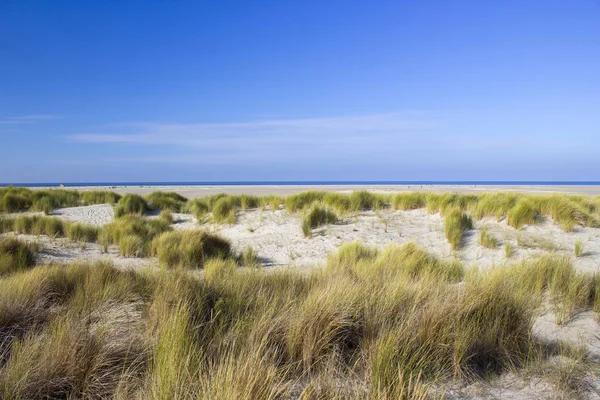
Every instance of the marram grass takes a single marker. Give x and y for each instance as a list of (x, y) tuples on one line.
[(389, 324)]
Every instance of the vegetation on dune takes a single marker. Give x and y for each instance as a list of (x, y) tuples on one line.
[(166, 216), (409, 201), (519, 209), (99, 197), (578, 250), (18, 199), (249, 258), (316, 217), (170, 201), (131, 204), (198, 208), (16, 255), (389, 324), (486, 239), (455, 225), (524, 213), (37, 225), (78, 232), (508, 250), (224, 211), (189, 249), (133, 234)]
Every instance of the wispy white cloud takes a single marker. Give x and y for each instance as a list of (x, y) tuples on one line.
[(390, 136), (305, 130), (26, 119)]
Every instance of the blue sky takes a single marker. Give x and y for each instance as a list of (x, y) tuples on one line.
[(180, 90)]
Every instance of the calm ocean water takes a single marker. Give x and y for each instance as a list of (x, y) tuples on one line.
[(330, 183)]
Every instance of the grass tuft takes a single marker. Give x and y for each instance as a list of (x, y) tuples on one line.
[(578, 248), (170, 201), (99, 197), (16, 255), (316, 217), (189, 249), (487, 240), (456, 224), (131, 204), (224, 211)]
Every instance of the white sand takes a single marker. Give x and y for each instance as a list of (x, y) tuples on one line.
[(61, 250), (99, 214), (279, 241)]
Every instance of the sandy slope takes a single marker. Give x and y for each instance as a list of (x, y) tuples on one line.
[(278, 239)]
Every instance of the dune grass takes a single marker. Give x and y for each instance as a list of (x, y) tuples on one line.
[(224, 211), (99, 197), (455, 225), (16, 255), (166, 216), (316, 217), (132, 234), (508, 250), (388, 324), (409, 201), (198, 208), (18, 199), (170, 201), (487, 240), (249, 258), (131, 204), (189, 249), (519, 209), (78, 232), (578, 250)]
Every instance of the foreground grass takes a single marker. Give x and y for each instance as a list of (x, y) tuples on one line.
[(388, 324)]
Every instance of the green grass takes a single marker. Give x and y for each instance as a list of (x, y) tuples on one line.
[(508, 250), (578, 250), (170, 201), (17, 199), (166, 216), (132, 234), (519, 209), (388, 324), (131, 204), (16, 255), (99, 197), (409, 201), (455, 225), (40, 225), (224, 211), (249, 258), (198, 208), (189, 249), (11, 203), (316, 217), (78, 232), (487, 240)]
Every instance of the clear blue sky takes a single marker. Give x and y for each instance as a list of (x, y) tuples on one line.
[(299, 90)]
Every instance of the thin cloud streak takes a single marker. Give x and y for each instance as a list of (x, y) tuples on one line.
[(304, 130), (26, 119)]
